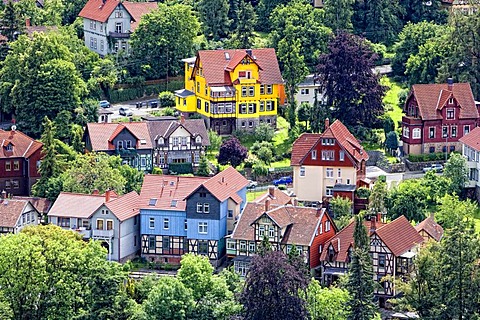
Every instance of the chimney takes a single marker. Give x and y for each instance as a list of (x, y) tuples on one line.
[(223, 179), (267, 205), (4, 194), (295, 202), (379, 216), (271, 191), (95, 192), (107, 195), (450, 84), (27, 23), (327, 123), (249, 52), (182, 118), (373, 224)]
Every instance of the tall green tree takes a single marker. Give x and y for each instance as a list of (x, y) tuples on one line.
[(213, 15), (417, 10), (338, 14), (104, 75), (376, 202), (152, 42), (326, 303), (409, 199), (342, 211), (351, 88), (243, 35), (203, 168), (264, 10), (360, 284), (11, 22), (457, 171)]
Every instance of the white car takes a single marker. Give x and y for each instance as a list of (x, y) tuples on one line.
[(125, 111), (435, 167)]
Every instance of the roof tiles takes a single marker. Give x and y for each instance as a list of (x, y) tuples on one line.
[(10, 211), (399, 236), (101, 134), (23, 145), (431, 227), (472, 139)]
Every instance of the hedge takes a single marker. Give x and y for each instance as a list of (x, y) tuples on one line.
[(180, 168), (132, 93), (427, 157)]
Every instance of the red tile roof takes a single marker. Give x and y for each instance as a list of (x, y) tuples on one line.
[(226, 184), (23, 145), (41, 204), (137, 10), (433, 229), (472, 139), (10, 211), (215, 65), (276, 197), (302, 146), (124, 207), (101, 134), (301, 222), (399, 236), (432, 97)]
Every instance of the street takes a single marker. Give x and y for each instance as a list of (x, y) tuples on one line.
[(143, 111)]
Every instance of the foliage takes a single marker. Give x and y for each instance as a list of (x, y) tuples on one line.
[(259, 168), (263, 150), (376, 201), (271, 289), (243, 35), (438, 156), (437, 186), (133, 178), (264, 11), (264, 247), (360, 284), (408, 199), (11, 22), (342, 211), (363, 193), (416, 11), (215, 141), (338, 14), (264, 132), (152, 44), (232, 152), (180, 168), (203, 168), (168, 111), (213, 15), (104, 75), (304, 112), (166, 99), (391, 142), (446, 216), (351, 88), (326, 303), (457, 171), (388, 125), (64, 277)]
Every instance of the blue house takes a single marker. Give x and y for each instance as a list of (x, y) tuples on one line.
[(189, 214)]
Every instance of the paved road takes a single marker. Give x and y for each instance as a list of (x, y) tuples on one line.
[(143, 111)]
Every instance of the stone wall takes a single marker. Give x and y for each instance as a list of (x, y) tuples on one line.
[(418, 166), (269, 177), (377, 158)]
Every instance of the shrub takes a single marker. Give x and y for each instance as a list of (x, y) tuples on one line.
[(180, 168), (166, 99), (363, 193)]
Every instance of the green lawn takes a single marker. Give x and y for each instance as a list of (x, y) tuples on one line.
[(391, 100)]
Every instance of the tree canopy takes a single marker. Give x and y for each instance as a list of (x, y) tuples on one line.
[(232, 152)]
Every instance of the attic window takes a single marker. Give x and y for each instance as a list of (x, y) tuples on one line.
[(143, 141), (161, 140), (152, 202), (227, 56), (331, 254), (450, 101), (173, 203), (198, 139), (172, 183), (9, 147)]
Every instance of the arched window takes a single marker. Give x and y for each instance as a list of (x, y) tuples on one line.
[(198, 139)]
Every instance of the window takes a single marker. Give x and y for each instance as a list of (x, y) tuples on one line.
[(175, 141), (206, 90), (101, 28), (143, 162), (262, 89), (230, 214), (269, 89), (9, 147), (243, 108), (16, 184), (302, 171), (251, 91), (328, 142), (244, 124), (64, 222), (203, 247), (118, 27), (342, 155), (8, 166), (8, 184), (406, 132), (198, 139), (270, 105), (304, 91), (261, 230), (450, 113), (206, 208), (431, 132), (450, 101), (199, 207), (348, 181), (118, 14), (95, 43), (262, 106), (166, 223), (206, 106), (244, 91), (165, 243), (328, 155), (381, 260), (152, 202), (109, 224), (314, 154), (320, 228), (102, 45), (151, 243), (271, 232), (339, 173), (99, 224), (452, 148), (231, 245), (184, 141), (416, 133), (444, 131), (243, 246), (203, 227), (331, 254), (251, 246), (198, 91), (454, 131), (151, 223), (327, 226), (251, 108), (250, 124), (466, 129), (128, 144), (329, 192), (329, 172), (120, 144)]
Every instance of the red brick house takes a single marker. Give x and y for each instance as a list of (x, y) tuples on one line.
[(285, 226), (19, 162), (437, 116), (327, 163)]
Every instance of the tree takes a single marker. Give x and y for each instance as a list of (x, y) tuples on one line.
[(376, 201), (446, 217), (457, 171), (104, 75), (437, 187), (264, 10), (203, 169), (11, 22), (272, 289), (264, 132), (166, 99), (65, 277), (264, 247), (360, 284), (391, 142), (263, 150), (326, 303), (318, 115), (388, 125), (304, 112), (351, 88), (408, 199), (215, 141), (213, 15), (417, 10), (342, 211), (152, 44), (243, 35), (338, 14), (232, 152), (133, 178)]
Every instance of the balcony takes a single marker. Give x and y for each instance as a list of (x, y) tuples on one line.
[(119, 35), (102, 234), (86, 233), (126, 152), (409, 120)]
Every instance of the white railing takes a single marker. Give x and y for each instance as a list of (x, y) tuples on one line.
[(102, 233)]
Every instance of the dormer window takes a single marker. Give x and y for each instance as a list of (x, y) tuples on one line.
[(9, 147), (331, 254), (120, 144), (198, 139), (128, 144), (161, 140), (143, 141), (450, 113), (450, 101)]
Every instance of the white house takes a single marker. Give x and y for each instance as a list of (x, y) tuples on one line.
[(109, 218), (471, 151), (307, 90), (108, 24), (16, 214)]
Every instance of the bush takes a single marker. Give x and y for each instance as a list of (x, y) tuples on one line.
[(264, 132), (363, 193), (439, 156), (166, 99), (180, 168)]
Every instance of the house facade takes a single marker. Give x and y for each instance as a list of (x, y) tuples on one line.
[(471, 152), (108, 24), (130, 140), (429, 229), (16, 215), (285, 226), (323, 162), (175, 141), (232, 89), (392, 248), (189, 214), (437, 116), (20, 158), (308, 91), (109, 218)]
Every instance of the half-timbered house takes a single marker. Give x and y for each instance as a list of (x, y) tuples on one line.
[(429, 229)]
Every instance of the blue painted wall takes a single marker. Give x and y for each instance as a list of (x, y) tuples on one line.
[(243, 194), (176, 222), (214, 229)]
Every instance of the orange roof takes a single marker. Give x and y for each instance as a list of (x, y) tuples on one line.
[(101, 134), (399, 236), (10, 211), (276, 197), (23, 145), (226, 184), (433, 229), (41, 204), (216, 65), (431, 98), (302, 146), (472, 139), (124, 207)]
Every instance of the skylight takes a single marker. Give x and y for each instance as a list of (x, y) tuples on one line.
[(143, 141), (152, 202), (173, 203)]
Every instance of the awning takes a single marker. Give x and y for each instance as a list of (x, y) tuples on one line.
[(408, 255), (242, 258), (222, 89), (344, 188), (335, 271)]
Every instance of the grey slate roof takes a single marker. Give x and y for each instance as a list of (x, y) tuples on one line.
[(164, 128)]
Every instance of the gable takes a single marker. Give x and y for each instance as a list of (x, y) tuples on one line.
[(180, 132)]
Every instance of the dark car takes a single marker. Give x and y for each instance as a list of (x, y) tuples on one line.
[(283, 180)]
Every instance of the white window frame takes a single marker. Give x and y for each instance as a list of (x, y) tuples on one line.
[(166, 223), (203, 227), (416, 133), (151, 223), (327, 226), (329, 191), (329, 172), (199, 207), (431, 132), (454, 131), (302, 171), (314, 154), (206, 208)]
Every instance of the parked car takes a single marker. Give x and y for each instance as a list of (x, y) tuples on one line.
[(104, 104), (435, 167), (252, 184), (283, 180), (125, 111)]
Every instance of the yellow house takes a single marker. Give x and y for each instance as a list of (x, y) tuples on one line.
[(232, 89)]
